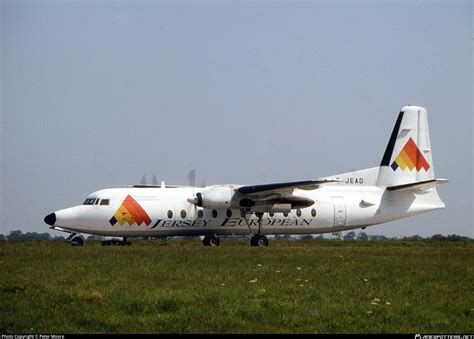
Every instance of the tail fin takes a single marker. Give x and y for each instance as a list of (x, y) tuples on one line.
[(407, 158)]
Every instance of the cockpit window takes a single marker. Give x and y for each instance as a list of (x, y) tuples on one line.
[(91, 201), (96, 201), (104, 202)]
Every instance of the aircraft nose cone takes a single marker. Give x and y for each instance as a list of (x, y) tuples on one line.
[(50, 219)]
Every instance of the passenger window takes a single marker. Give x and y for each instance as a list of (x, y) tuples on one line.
[(229, 213), (298, 212), (104, 202), (200, 214), (313, 212), (214, 213), (271, 214), (183, 214), (285, 214), (170, 214)]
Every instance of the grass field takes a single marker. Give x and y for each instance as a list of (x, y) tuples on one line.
[(179, 286)]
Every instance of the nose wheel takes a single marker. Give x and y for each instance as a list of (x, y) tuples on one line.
[(77, 241)]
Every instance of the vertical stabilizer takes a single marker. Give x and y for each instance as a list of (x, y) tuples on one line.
[(407, 158)]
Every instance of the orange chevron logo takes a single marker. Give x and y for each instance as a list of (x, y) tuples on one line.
[(410, 157), (130, 212)]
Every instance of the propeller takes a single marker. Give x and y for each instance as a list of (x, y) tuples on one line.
[(143, 181), (154, 181)]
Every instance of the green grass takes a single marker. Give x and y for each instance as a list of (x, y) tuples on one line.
[(179, 286)]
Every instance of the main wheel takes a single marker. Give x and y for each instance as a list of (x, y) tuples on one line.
[(253, 241), (259, 240), (211, 240), (77, 241), (262, 241), (214, 241)]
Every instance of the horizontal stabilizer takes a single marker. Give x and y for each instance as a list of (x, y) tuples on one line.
[(418, 186)]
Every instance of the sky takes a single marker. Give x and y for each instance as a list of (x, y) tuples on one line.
[(94, 94)]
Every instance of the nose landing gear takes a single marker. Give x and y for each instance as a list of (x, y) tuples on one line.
[(77, 241)]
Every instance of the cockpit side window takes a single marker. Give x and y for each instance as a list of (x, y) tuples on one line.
[(91, 201), (104, 202)]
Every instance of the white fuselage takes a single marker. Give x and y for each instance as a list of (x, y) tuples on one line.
[(336, 208)]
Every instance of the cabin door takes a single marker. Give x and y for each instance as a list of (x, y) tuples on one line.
[(339, 211)]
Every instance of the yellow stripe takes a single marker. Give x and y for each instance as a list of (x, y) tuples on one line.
[(400, 162), (407, 159)]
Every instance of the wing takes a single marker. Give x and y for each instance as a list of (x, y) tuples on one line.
[(279, 189)]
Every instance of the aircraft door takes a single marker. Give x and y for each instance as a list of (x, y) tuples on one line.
[(339, 211)]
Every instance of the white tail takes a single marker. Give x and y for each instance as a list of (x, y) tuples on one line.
[(407, 158)]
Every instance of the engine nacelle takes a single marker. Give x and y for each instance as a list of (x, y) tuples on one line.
[(218, 197)]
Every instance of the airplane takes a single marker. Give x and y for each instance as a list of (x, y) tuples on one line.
[(402, 186)]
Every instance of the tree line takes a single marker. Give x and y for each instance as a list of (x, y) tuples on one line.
[(348, 236)]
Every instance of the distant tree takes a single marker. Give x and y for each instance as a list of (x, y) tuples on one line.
[(415, 237), (362, 236), (378, 237), (320, 238), (457, 238), (59, 238), (45, 236), (350, 236), (2, 237), (15, 235), (438, 237), (307, 237)]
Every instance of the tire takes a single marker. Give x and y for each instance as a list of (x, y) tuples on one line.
[(253, 241), (77, 241), (259, 240), (206, 241), (262, 241), (214, 241)]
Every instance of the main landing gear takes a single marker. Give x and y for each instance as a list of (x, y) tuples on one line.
[(256, 239), (116, 242), (211, 240)]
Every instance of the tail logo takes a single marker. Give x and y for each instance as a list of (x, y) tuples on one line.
[(410, 157), (130, 212)]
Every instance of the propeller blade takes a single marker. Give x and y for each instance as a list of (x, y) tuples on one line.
[(154, 181), (143, 181)]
